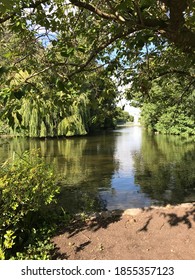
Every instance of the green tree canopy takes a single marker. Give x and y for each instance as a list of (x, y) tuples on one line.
[(136, 41), (123, 27)]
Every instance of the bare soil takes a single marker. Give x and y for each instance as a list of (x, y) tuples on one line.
[(155, 233)]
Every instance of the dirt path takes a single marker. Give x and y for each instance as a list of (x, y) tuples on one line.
[(151, 233)]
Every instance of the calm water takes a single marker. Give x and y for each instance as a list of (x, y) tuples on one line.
[(125, 168)]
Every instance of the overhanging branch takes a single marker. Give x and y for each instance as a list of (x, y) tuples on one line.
[(99, 49), (174, 72), (97, 11)]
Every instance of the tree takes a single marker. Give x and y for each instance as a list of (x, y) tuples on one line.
[(136, 41), (106, 25), (40, 103), (123, 116), (173, 20), (169, 107)]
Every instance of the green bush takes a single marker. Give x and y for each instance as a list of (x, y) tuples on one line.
[(28, 187)]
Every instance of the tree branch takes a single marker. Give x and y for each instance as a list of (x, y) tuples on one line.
[(177, 7), (99, 49), (173, 29), (177, 72), (36, 73), (97, 11), (137, 8), (84, 65)]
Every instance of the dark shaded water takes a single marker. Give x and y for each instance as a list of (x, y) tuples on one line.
[(125, 168)]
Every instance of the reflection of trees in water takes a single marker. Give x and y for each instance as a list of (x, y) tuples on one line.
[(165, 168), (85, 165), (4, 147)]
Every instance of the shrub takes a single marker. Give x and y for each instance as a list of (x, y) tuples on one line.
[(28, 187)]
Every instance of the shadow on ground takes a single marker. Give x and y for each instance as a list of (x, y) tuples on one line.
[(173, 219), (141, 234), (93, 224), (78, 225)]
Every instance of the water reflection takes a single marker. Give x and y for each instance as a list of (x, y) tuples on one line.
[(165, 168), (124, 192), (85, 166), (121, 169)]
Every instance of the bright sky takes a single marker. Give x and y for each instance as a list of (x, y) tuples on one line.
[(130, 109), (125, 104)]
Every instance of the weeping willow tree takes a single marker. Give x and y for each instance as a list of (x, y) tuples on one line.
[(39, 103), (44, 119), (76, 123), (50, 106), (66, 112)]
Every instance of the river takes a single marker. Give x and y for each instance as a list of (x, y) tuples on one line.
[(123, 168)]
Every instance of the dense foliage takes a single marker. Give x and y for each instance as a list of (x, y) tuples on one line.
[(48, 105), (28, 188), (63, 60), (170, 108)]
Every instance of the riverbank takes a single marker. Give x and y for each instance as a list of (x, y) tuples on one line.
[(150, 233)]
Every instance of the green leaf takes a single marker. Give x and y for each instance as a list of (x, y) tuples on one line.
[(67, 52), (7, 55), (151, 38), (82, 49)]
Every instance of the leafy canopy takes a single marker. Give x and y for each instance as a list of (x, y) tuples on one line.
[(136, 41), (106, 26)]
